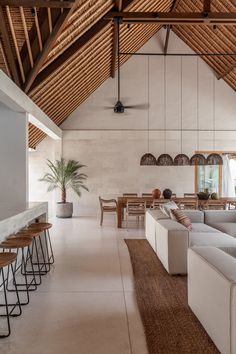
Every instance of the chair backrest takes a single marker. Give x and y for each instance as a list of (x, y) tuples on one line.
[(107, 201), (173, 195), (190, 195), (130, 194), (146, 194), (157, 202), (134, 207), (187, 203), (215, 205)]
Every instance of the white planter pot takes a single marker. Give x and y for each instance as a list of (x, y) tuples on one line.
[(64, 210)]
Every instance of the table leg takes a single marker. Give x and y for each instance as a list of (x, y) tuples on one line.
[(119, 216)]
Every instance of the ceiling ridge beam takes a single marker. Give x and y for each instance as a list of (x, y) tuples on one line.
[(38, 3), (42, 56)]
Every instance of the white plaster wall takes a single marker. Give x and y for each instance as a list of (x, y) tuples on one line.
[(13, 157), (111, 145)]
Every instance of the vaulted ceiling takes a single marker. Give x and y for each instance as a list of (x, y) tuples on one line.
[(60, 52)]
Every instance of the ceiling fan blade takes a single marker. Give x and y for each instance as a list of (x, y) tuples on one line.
[(143, 106)]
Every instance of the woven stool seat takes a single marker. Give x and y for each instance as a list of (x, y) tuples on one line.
[(40, 225), (7, 258)]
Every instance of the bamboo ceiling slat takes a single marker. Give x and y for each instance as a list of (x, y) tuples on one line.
[(80, 75)]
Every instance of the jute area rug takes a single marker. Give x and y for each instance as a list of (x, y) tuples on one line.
[(169, 324)]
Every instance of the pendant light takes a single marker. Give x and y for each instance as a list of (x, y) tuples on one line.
[(165, 159), (198, 159), (148, 159), (214, 158), (181, 159)]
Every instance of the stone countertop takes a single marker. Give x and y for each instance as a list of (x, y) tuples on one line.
[(15, 217)]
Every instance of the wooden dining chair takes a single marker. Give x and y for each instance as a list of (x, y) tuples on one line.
[(146, 194), (173, 195), (187, 203), (130, 194), (135, 208), (107, 206), (215, 205)]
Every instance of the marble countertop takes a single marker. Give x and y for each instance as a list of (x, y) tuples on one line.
[(15, 217)]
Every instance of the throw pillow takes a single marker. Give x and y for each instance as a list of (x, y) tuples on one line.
[(182, 218), (167, 207)]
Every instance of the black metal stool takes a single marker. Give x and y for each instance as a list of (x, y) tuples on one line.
[(6, 260), (23, 244), (44, 227)]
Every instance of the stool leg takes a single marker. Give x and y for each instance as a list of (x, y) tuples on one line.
[(6, 306), (50, 245)]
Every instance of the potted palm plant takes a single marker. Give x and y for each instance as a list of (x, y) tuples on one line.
[(64, 174)]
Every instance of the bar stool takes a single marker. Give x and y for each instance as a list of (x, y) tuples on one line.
[(6, 260), (35, 236), (45, 227), (23, 244)]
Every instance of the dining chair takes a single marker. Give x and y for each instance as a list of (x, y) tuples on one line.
[(146, 194), (107, 206), (187, 203), (130, 194), (173, 195), (215, 205), (157, 202), (135, 208)]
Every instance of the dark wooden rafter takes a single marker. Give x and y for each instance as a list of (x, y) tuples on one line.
[(5, 59), (175, 18), (118, 5), (38, 3), (74, 48), (172, 9), (8, 49), (206, 6), (53, 33)]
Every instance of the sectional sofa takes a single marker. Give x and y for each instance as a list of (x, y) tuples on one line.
[(208, 255)]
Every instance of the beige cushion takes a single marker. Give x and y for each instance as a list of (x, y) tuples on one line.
[(216, 239), (200, 227), (195, 215), (219, 216), (157, 214), (227, 227)]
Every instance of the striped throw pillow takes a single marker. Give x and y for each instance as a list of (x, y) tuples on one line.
[(182, 218)]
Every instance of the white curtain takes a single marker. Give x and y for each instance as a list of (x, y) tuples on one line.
[(228, 182)]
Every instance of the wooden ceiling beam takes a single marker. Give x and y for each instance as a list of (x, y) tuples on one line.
[(175, 18), (38, 3), (75, 47), (114, 50), (118, 5), (227, 72), (42, 55), (173, 8), (206, 6), (8, 49)]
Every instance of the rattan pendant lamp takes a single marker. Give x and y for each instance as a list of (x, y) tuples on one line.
[(165, 159), (214, 158), (181, 159), (198, 159), (148, 159)]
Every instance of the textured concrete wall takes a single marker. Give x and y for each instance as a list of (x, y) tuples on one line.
[(111, 145)]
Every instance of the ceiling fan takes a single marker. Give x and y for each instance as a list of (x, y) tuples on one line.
[(119, 107)]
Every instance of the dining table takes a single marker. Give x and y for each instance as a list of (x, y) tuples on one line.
[(200, 204)]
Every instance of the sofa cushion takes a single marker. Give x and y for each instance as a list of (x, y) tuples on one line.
[(200, 227), (157, 214), (227, 227), (218, 216), (216, 239), (196, 216)]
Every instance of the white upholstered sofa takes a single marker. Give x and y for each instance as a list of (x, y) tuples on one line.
[(212, 293), (170, 240)]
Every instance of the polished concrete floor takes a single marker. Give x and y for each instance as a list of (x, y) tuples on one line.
[(86, 305)]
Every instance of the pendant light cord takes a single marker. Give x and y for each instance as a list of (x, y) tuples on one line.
[(118, 55), (214, 113), (181, 105), (165, 102), (148, 98), (197, 105)]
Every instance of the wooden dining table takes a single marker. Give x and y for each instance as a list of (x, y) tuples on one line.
[(201, 204)]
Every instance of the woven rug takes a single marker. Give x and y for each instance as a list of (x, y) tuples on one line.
[(169, 324)]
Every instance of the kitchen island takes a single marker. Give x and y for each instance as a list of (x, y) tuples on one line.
[(15, 217)]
